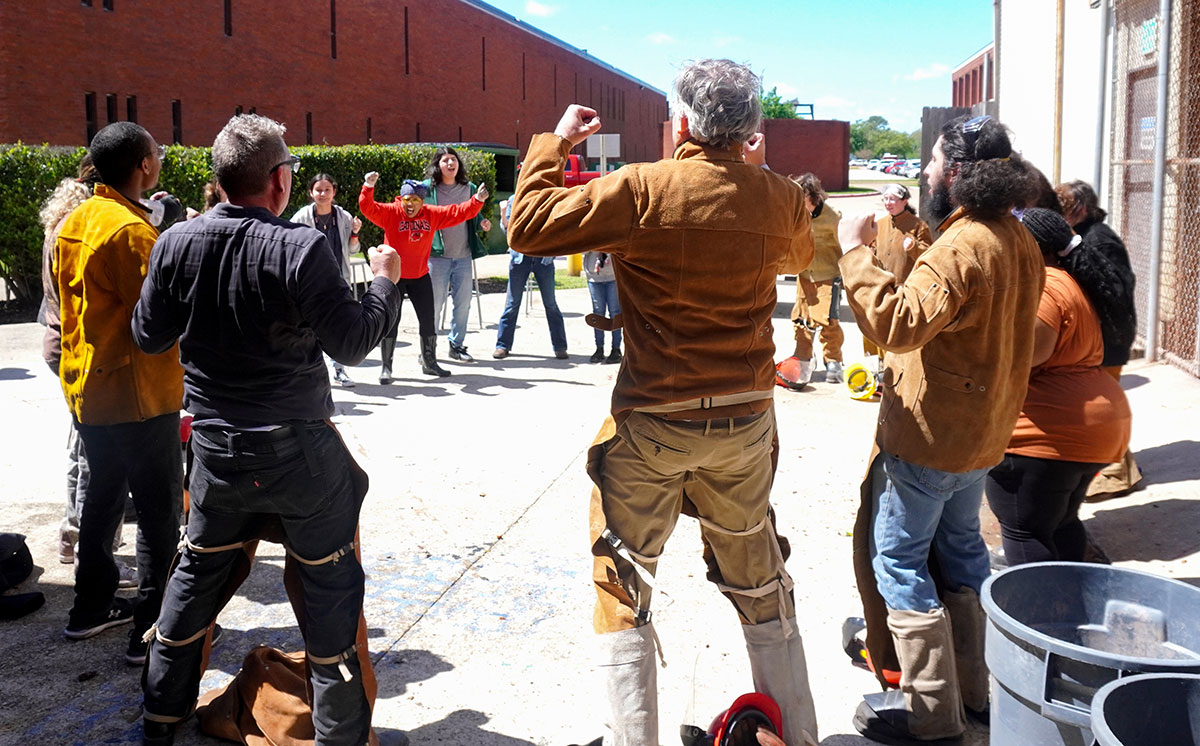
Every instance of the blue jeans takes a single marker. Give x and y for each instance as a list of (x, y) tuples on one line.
[(301, 477), (605, 303), (452, 277), (518, 273), (915, 507)]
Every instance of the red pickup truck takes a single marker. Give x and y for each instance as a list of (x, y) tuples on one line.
[(574, 175)]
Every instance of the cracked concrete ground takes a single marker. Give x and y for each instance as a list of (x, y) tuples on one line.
[(475, 546)]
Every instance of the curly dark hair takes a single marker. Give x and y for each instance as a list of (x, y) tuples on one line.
[(991, 178), (1041, 193), (1106, 286), (1078, 193)]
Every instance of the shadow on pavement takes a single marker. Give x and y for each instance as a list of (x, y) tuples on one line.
[(15, 374), (399, 668), (1172, 462), (464, 727), (1132, 381), (1161, 530)]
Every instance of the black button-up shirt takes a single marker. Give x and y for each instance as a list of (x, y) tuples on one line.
[(253, 300)]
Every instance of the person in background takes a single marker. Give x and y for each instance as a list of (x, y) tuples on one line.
[(602, 286), (125, 403), (408, 226), (818, 288), (901, 239), (958, 333), (519, 269), (454, 248), (1081, 208), (1075, 417), (340, 229)]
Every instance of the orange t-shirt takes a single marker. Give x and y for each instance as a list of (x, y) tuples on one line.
[(1073, 411)]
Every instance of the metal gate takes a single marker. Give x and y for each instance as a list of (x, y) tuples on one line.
[(1139, 39)]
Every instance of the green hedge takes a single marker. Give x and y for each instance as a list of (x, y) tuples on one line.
[(29, 174)]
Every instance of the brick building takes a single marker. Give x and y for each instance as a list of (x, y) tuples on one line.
[(972, 80), (354, 71)]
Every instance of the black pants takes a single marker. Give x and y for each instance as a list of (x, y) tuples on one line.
[(302, 477), (144, 455), (420, 294), (1037, 503)]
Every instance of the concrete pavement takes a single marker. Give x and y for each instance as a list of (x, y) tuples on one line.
[(475, 546)]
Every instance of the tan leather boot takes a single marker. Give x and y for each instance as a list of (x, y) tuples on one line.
[(968, 625)]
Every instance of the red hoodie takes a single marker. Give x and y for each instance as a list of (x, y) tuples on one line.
[(412, 238)]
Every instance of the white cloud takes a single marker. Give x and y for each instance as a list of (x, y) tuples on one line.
[(936, 70), (534, 8), (785, 90), (659, 37)]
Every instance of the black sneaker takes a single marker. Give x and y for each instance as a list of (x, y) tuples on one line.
[(460, 354), (597, 356), (118, 613), (155, 733), (135, 652), (614, 356)]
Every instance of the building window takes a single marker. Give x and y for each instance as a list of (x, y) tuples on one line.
[(89, 114), (108, 4), (131, 108), (253, 109), (483, 62), (308, 128), (229, 17), (460, 133), (110, 107), (176, 121), (333, 29), (86, 4), (418, 132), (556, 85), (522, 76), (237, 110), (406, 40), (369, 139)]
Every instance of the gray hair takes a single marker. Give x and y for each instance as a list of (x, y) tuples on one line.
[(244, 153), (720, 99)]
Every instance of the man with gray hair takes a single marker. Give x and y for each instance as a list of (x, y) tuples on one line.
[(695, 242), (254, 301)]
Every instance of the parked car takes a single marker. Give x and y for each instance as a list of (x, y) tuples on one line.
[(858, 162), (912, 170), (575, 172), (895, 167), (885, 165), (872, 163)]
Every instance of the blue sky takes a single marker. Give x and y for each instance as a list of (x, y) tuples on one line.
[(850, 58)]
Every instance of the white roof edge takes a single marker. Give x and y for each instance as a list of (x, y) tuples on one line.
[(972, 58), (531, 29)]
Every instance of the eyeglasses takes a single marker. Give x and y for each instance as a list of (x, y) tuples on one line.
[(294, 161), (971, 130)]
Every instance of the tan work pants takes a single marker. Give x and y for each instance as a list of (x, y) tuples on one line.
[(647, 472), (814, 308)]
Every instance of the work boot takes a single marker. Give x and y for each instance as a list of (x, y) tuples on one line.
[(429, 364), (631, 683), (386, 347), (155, 733), (928, 708), (968, 624), (778, 668), (614, 356), (597, 356), (833, 371)]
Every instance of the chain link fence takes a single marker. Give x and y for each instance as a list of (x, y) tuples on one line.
[(1138, 32)]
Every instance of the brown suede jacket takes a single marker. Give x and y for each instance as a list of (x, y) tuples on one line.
[(889, 244), (961, 330), (696, 242)]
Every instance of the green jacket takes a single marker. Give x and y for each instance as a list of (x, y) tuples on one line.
[(474, 242)]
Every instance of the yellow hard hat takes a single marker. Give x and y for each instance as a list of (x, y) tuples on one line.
[(860, 381)]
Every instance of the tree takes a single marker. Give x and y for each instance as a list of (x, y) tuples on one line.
[(774, 107)]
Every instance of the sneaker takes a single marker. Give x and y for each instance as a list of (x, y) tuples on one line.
[(66, 551), (343, 379), (614, 356), (561, 354), (500, 353), (460, 354), (119, 612), (135, 652), (155, 733), (127, 577), (833, 372), (597, 356)]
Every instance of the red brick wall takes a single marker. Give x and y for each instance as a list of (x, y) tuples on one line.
[(795, 146), (278, 61), (821, 146), (969, 84)]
